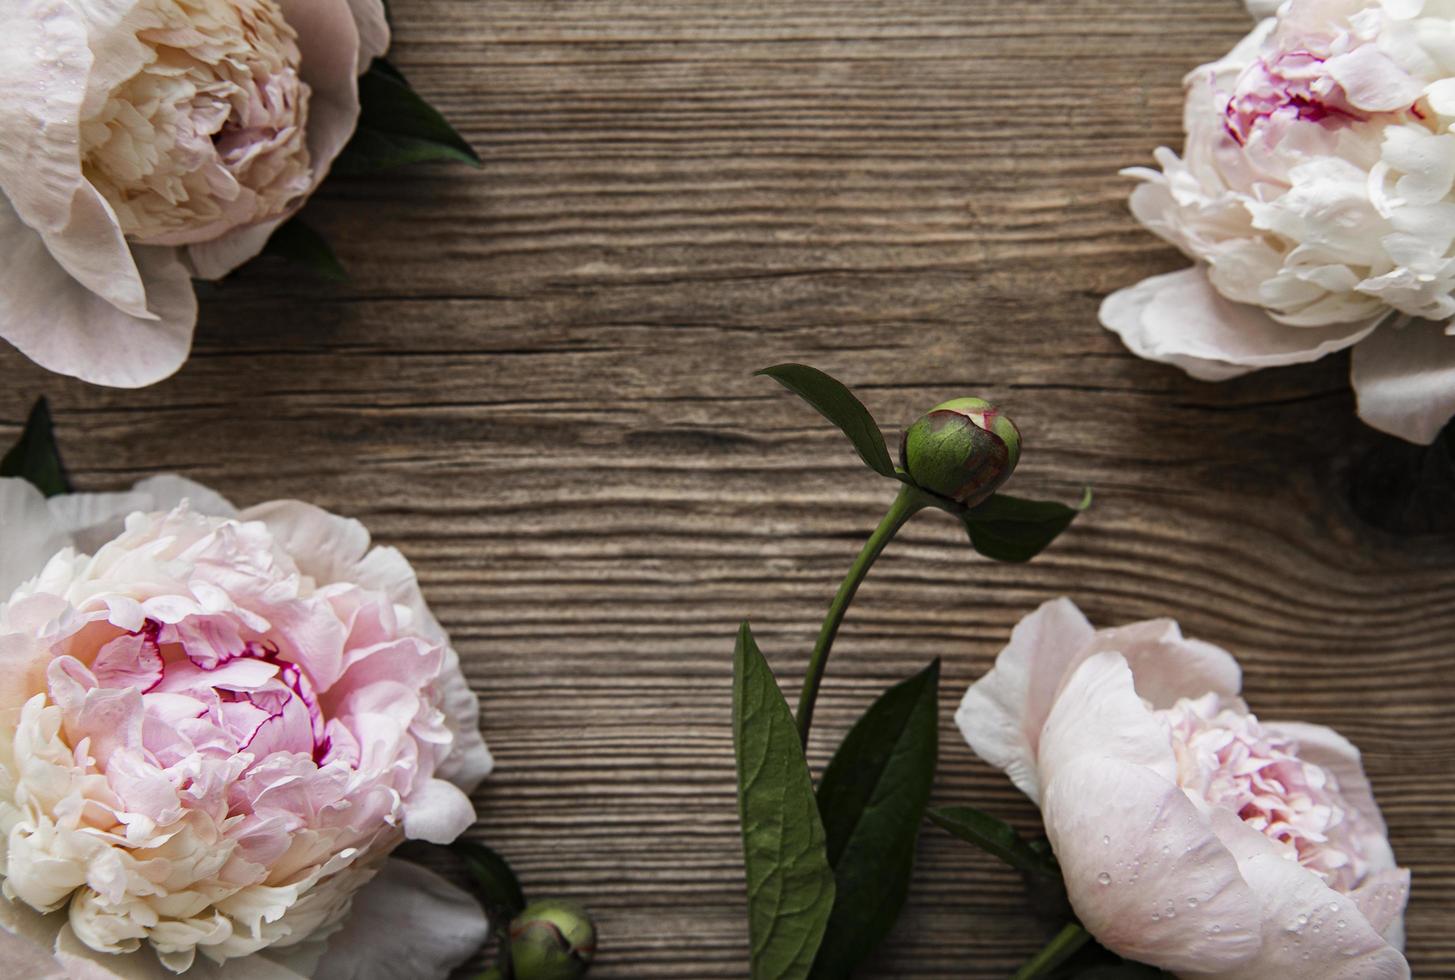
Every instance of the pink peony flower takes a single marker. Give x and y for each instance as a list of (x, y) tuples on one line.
[(1316, 192), (151, 141), (214, 728), (1192, 835)]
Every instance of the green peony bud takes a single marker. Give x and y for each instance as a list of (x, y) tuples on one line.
[(963, 449), (552, 940)]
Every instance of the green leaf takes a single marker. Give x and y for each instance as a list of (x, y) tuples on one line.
[(790, 883), (298, 242), (837, 404), (872, 798), (995, 837), (34, 456), (492, 874), (1009, 528), (397, 127)]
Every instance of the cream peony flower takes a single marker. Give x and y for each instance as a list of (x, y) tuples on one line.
[(1192, 835), (214, 727), (1317, 193), (151, 141)]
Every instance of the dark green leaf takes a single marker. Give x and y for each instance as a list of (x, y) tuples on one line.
[(34, 456), (837, 404), (397, 127), (872, 798), (492, 874), (1009, 528), (298, 242), (995, 837), (790, 883)]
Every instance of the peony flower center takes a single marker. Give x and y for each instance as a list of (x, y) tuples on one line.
[(1225, 758), (203, 681), (203, 131), (1293, 87)]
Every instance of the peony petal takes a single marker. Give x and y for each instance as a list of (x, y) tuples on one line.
[(168, 490), (328, 38), (1178, 318), (1166, 665), (1298, 911), (325, 546), (1002, 714), (437, 812), (373, 31), (1099, 713), (92, 519), (407, 922), (64, 327), (1372, 81), (29, 535), (1405, 380), (45, 60), (468, 761), (1144, 870)]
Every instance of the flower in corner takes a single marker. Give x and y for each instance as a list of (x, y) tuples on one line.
[(1316, 193), (215, 726), (148, 142), (1192, 835)]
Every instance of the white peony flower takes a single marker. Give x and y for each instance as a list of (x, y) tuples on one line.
[(148, 142), (214, 728), (1317, 193), (1192, 835)]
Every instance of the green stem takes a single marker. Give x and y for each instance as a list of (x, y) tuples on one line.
[(909, 502), (1053, 954)]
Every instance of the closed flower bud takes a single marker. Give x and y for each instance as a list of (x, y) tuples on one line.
[(552, 940), (963, 449)]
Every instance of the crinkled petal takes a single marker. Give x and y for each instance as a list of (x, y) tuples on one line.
[(328, 38), (29, 534), (1405, 380), (45, 60), (1299, 914), (1002, 713), (407, 922), (1145, 872), (1166, 665), (468, 761), (1179, 319), (64, 327), (325, 546)]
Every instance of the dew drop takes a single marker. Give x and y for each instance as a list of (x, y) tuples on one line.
[(1192, 903), (1216, 928), (1104, 878), (1106, 840)]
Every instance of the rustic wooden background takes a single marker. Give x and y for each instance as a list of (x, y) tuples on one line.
[(538, 386)]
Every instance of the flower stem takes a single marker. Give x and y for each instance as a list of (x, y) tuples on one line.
[(1053, 954), (909, 502)]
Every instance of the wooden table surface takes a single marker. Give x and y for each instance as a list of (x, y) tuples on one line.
[(538, 386)]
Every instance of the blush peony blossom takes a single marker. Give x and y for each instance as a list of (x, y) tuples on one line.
[(214, 728), (1192, 835), (1316, 192), (151, 141)]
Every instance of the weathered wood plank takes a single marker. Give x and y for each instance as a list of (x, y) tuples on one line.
[(538, 387)]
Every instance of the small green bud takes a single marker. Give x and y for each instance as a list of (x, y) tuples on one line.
[(963, 449), (552, 940)]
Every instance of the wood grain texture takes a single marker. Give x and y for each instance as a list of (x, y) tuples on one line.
[(538, 386)]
